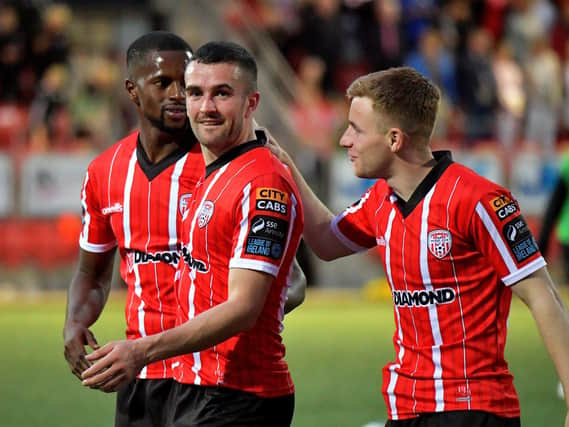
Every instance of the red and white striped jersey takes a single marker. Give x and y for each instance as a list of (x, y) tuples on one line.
[(450, 255), (135, 205), (245, 214)]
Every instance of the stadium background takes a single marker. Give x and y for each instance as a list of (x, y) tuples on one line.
[(504, 72)]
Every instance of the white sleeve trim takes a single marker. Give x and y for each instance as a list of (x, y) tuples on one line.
[(97, 248), (342, 237), (253, 264), (516, 276)]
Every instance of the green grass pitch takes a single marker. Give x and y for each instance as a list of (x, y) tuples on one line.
[(336, 346)]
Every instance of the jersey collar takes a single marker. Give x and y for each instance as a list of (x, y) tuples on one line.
[(444, 160), (236, 152), (152, 170)]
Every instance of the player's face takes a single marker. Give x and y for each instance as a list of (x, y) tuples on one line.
[(158, 85), (367, 147), (220, 106)]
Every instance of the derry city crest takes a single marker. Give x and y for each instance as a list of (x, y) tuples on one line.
[(439, 242)]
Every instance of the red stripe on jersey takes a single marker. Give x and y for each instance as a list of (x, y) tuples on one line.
[(123, 207), (449, 262), (246, 214)]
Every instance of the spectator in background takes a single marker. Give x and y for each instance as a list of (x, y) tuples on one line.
[(417, 17), (556, 217), (456, 22), (93, 106), (544, 96), (319, 35), (560, 30), (433, 60), (49, 119), (510, 85), (526, 21), (51, 44), (383, 38), (12, 54), (564, 125), (477, 92), (316, 120)]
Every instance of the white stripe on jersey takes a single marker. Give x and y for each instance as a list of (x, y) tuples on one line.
[(523, 272), (111, 174), (393, 377), (84, 237), (515, 273), (254, 264), (459, 297), (173, 204), (496, 237), (127, 238), (243, 225), (126, 199), (412, 320), (192, 271), (433, 315), (341, 236)]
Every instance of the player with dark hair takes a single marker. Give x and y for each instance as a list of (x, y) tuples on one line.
[(241, 231), (133, 198), (454, 248)]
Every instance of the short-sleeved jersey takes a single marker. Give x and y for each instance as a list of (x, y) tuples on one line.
[(245, 214), (450, 253), (136, 205)]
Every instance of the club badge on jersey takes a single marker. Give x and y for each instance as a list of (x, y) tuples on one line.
[(439, 242)]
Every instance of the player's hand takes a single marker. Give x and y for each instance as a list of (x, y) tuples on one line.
[(76, 337), (113, 366), (274, 146)]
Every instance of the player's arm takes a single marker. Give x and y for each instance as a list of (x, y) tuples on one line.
[(86, 298), (540, 294), (118, 363), (317, 217), (296, 290)]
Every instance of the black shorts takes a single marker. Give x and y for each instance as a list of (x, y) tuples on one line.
[(198, 406), (456, 419), (142, 403)]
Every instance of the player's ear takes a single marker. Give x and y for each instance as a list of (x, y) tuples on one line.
[(395, 138), (130, 87), (252, 103)]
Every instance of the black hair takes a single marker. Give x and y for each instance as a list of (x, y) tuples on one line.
[(222, 51), (153, 41)]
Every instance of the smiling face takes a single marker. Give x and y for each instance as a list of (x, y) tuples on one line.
[(368, 146), (156, 86), (220, 104)]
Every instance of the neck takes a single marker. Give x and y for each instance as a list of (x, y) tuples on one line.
[(409, 171), (158, 144)]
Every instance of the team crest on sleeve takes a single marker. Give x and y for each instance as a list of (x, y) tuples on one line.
[(271, 199), (184, 202), (503, 206), (206, 212), (439, 242)]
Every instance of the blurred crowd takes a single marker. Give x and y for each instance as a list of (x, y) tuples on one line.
[(55, 96), (503, 67)]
